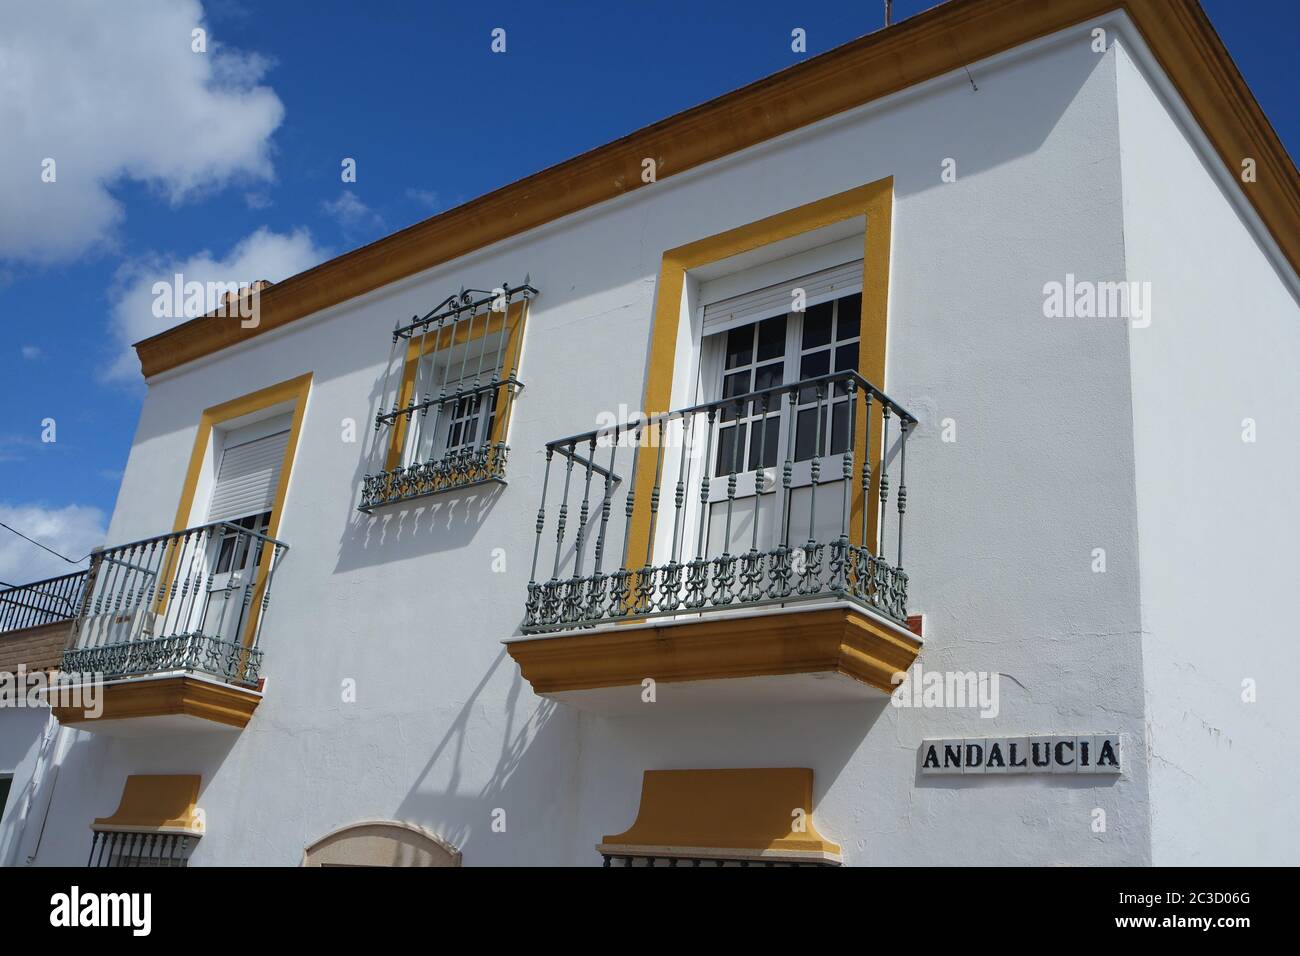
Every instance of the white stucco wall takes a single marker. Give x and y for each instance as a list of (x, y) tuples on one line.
[(1218, 518), (28, 739), (1001, 522)]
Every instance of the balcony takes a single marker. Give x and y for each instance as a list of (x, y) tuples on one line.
[(448, 389), (169, 630), (761, 553), (35, 620)]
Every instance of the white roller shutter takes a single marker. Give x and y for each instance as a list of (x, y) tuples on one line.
[(775, 299), (248, 477)]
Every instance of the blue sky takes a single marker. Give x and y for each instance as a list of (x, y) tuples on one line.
[(238, 167)]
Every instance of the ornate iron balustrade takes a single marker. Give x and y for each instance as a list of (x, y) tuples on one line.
[(458, 468), (761, 468), (463, 442), (193, 600), (41, 602)]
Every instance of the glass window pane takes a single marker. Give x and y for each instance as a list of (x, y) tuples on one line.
[(805, 439), (727, 451), (771, 338), (839, 427), (849, 320), (766, 376), (817, 325), (814, 364), (225, 555), (766, 440), (737, 383), (740, 346), (846, 359), (811, 366)]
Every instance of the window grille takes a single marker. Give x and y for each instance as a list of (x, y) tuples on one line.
[(139, 849), (445, 403)]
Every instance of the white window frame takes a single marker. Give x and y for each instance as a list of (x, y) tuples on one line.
[(712, 378), (445, 371)]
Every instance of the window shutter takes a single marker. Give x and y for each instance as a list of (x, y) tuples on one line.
[(248, 477), (775, 299)]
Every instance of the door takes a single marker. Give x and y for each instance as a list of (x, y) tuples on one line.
[(243, 497)]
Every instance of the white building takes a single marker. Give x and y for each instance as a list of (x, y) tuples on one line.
[(1059, 242)]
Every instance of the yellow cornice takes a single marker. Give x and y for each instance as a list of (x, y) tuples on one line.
[(928, 45)]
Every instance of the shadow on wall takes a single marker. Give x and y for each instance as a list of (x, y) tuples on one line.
[(525, 765), (444, 522), (74, 789)]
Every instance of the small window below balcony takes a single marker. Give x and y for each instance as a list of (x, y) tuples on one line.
[(740, 817), (446, 397), (156, 825)]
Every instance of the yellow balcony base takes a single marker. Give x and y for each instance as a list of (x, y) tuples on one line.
[(819, 654), (146, 706)]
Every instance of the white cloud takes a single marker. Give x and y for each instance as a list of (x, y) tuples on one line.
[(353, 216), (112, 91), (72, 530), (261, 255), (424, 197), (31, 352)]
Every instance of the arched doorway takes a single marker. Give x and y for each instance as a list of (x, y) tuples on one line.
[(381, 843)]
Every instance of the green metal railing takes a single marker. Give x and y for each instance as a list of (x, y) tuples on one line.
[(770, 498), (192, 601)]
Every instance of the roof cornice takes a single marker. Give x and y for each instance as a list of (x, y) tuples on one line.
[(926, 46)]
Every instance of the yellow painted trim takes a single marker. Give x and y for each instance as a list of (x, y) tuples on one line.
[(874, 201), (156, 803), (169, 696), (293, 390), (939, 41), (836, 640), (747, 813), (518, 317)]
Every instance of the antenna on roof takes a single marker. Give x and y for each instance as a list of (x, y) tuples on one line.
[(889, 12)]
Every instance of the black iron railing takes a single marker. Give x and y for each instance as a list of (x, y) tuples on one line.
[(41, 602), (129, 848), (193, 600), (774, 497)]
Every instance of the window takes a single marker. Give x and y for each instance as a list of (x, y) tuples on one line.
[(782, 350), (444, 414), (237, 551), (249, 474), (462, 413), (141, 849), (757, 340)]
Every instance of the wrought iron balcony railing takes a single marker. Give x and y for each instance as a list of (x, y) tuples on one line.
[(773, 497), (192, 601), (448, 390), (479, 460), (41, 602)]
